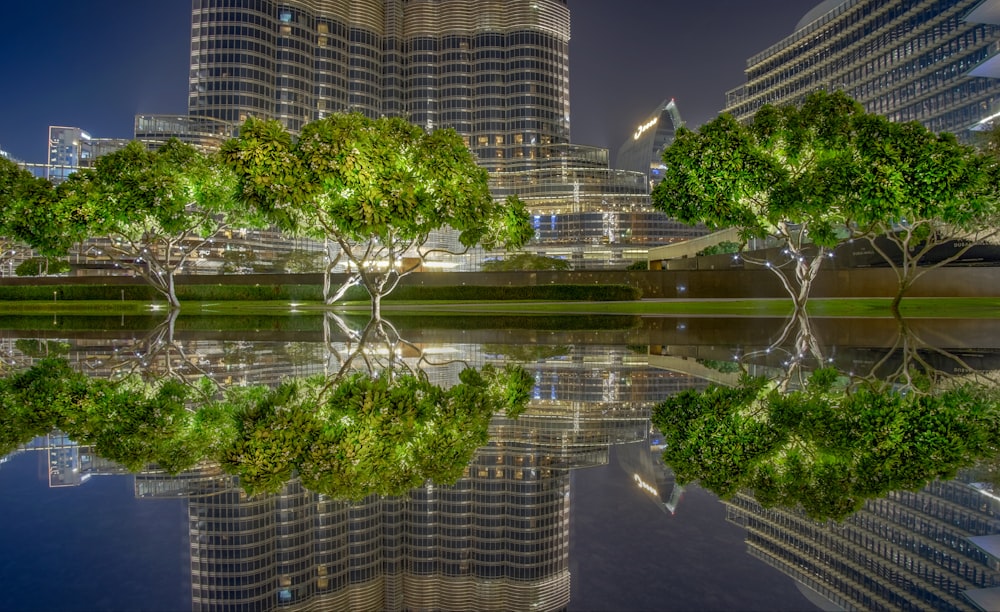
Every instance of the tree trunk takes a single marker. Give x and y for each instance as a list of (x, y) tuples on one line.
[(376, 306), (172, 300)]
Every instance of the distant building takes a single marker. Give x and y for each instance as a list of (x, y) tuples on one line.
[(204, 133), (643, 151), (908, 61)]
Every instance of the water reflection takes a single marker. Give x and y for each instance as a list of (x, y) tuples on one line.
[(499, 538)]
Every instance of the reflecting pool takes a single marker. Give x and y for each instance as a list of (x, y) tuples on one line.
[(563, 503)]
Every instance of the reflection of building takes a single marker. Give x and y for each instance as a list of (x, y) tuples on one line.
[(496, 539), (905, 551), (915, 61), (644, 465), (64, 463)]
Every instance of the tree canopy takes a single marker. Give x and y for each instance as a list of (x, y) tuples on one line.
[(825, 448), (783, 176), (31, 215), (155, 208), (918, 191), (374, 188)]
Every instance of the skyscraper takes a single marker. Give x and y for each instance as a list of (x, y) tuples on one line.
[(494, 70)]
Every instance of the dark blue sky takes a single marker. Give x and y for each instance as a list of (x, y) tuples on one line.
[(96, 63)]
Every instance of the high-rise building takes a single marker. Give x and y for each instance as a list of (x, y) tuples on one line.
[(494, 70), (912, 60)]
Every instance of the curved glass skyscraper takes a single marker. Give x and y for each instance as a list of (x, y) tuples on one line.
[(909, 61)]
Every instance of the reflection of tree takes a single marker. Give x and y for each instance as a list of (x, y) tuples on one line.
[(797, 343), (159, 347), (346, 437), (913, 363), (825, 448)]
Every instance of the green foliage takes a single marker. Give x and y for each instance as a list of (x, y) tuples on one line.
[(789, 175), (347, 438), (30, 213), (724, 247), (638, 265), (525, 261), (824, 449), (155, 208), (376, 187), (39, 266)]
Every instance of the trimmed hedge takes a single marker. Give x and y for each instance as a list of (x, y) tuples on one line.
[(191, 293), (207, 293), (553, 293)]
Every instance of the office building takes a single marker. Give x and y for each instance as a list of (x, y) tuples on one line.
[(204, 133), (908, 61)]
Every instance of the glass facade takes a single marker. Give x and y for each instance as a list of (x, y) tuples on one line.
[(204, 133), (497, 72), (906, 60), (643, 151)]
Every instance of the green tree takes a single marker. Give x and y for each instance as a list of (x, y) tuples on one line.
[(31, 216), (525, 261), (40, 266), (155, 209), (784, 176), (375, 190), (919, 191), (825, 448)]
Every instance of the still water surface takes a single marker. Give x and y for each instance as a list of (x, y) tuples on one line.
[(567, 506)]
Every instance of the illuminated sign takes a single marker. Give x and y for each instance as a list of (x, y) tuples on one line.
[(644, 486), (645, 126)]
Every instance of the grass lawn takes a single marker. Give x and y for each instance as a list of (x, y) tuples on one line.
[(861, 307)]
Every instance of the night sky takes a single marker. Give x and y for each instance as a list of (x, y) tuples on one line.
[(96, 63)]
